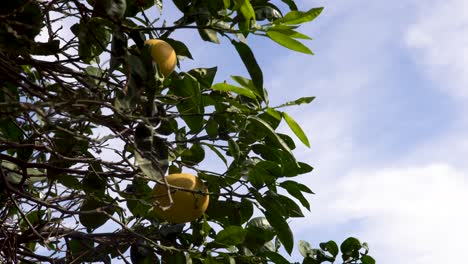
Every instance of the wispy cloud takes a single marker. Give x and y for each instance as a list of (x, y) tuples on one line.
[(438, 40), (389, 160)]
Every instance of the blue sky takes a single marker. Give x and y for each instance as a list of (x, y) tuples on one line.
[(388, 128)]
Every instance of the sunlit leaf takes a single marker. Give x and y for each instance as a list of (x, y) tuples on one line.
[(288, 42), (296, 129)]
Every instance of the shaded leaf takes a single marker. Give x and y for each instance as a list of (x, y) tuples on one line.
[(366, 259), (282, 229), (180, 48), (331, 247), (231, 235), (252, 66)]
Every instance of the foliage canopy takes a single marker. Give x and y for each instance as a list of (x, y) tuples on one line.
[(88, 125)]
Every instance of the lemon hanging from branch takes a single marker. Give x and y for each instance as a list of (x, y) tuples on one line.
[(189, 198), (163, 54)]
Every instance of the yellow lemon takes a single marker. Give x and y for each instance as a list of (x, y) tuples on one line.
[(163, 54), (187, 205)]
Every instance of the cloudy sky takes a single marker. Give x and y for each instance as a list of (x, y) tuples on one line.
[(388, 129)]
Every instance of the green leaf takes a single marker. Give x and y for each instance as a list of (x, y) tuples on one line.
[(252, 66), (141, 253), (211, 128), (92, 220), (350, 245), (94, 184), (205, 76), (331, 247), (93, 38), (235, 89), (296, 129), (302, 100), (295, 189), (78, 247), (291, 4), (282, 229), (193, 155), (147, 167), (14, 174), (180, 48), (247, 10), (10, 130), (134, 7), (286, 30), (246, 210), (259, 232), (247, 83), (264, 172), (234, 149), (288, 42), (270, 131), (272, 203), (299, 17), (191, 106), (138, 208), (293, 210), (69, 181), (231, 235), (208, 35), (276, 257), (366, 259)]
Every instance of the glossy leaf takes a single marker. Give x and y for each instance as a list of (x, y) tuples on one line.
[(288, 31), (245, 7), (288, 42), (296, 129), (299, 17), (231, 235), (235, 89), (331, 247), (295, 189), (366, 259)]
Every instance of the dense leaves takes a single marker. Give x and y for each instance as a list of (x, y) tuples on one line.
[(88, 126)]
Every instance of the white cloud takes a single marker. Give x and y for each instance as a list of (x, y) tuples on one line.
[(408, 215), (411, 213), (438, 40)]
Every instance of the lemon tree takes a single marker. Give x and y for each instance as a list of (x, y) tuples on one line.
[(108, 149)]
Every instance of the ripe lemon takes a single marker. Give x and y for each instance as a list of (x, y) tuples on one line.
[(163, 54), (187, 206)]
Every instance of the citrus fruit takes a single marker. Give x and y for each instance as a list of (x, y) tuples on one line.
[(163, 54), (187, 205)]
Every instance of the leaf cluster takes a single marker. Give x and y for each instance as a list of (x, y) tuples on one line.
[(88, 126)]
